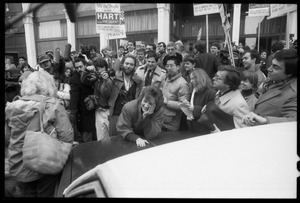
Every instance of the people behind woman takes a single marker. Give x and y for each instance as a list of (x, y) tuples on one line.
[(141, 119), (263, 62), (37, 86), (248, 88)]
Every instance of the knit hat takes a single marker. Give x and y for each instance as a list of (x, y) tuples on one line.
[(42, 58)]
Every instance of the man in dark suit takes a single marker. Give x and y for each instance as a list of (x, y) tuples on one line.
[(77, 108), (207, 61)]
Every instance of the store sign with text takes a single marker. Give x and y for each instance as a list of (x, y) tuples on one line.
[(259, 10), (204, 9)]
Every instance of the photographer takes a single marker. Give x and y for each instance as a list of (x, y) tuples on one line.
[(99, 76)]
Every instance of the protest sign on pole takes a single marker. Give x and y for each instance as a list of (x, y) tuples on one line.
[(107, 17), (226, 26), (122, 29), (205, 9)]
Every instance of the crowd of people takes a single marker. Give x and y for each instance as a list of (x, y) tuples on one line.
[(139, 92)]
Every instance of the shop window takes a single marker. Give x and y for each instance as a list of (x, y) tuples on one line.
[(51, 29)]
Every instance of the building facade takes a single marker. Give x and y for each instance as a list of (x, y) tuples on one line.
[(49, 27)]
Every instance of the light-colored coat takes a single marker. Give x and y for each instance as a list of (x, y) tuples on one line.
[(175, 90), (234, 104), (158, 79), (18, 118)]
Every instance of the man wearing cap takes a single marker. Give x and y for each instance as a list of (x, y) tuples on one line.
[(46, 64)]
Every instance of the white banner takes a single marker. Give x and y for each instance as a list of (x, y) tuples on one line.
[(118, 34), (259, 10), (204, 9), (115, 8), (281, 9)]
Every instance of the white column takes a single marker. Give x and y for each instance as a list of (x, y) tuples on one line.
[(29, 37), (71, 32), (163, 32), (236, 23)]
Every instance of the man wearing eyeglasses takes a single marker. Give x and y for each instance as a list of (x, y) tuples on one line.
[(175, 91), (171, 51), (228, 97)]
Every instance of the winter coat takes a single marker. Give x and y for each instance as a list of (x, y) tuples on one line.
[(201, 98), (117, 85), (158, 78), (279, 102), (208, 62), (78, 93), (233, 103), (19, 115), (175, 90), (131, 124)]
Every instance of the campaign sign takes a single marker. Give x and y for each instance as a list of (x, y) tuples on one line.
[(108, 18)]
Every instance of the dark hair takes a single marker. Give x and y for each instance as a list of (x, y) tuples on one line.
[(128, 56), (233, 76), (251, 76), (174, 58), (189, 58), (264, 51), (133, 42), (141, 50), (151, 53), (253, 54), (23, 57), (216, 44), (92, 46), (79, 59), (290, 59), (156, 93), (153, 46), (277, 46), (121, 47), (100, 63), (200, 46), (164, 44)]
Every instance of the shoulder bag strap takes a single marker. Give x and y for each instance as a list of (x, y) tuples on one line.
[(41, 109)]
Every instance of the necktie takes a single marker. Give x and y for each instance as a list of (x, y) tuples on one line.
[(148, 78)]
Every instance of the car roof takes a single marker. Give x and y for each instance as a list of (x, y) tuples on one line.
[(253, 162)]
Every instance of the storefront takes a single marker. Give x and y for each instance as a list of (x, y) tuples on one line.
[(151, 23)]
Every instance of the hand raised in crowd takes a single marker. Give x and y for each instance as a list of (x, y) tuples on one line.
[(254, 119), (104, 75), (141, 142), (149, 111), (90, 68)]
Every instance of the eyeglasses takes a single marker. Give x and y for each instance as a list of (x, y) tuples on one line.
[(216, 77), (171, 49), (170, 66)]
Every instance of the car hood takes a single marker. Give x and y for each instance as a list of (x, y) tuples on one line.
[(253, 162)]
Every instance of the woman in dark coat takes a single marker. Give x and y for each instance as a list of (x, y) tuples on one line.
[(202, 93)]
